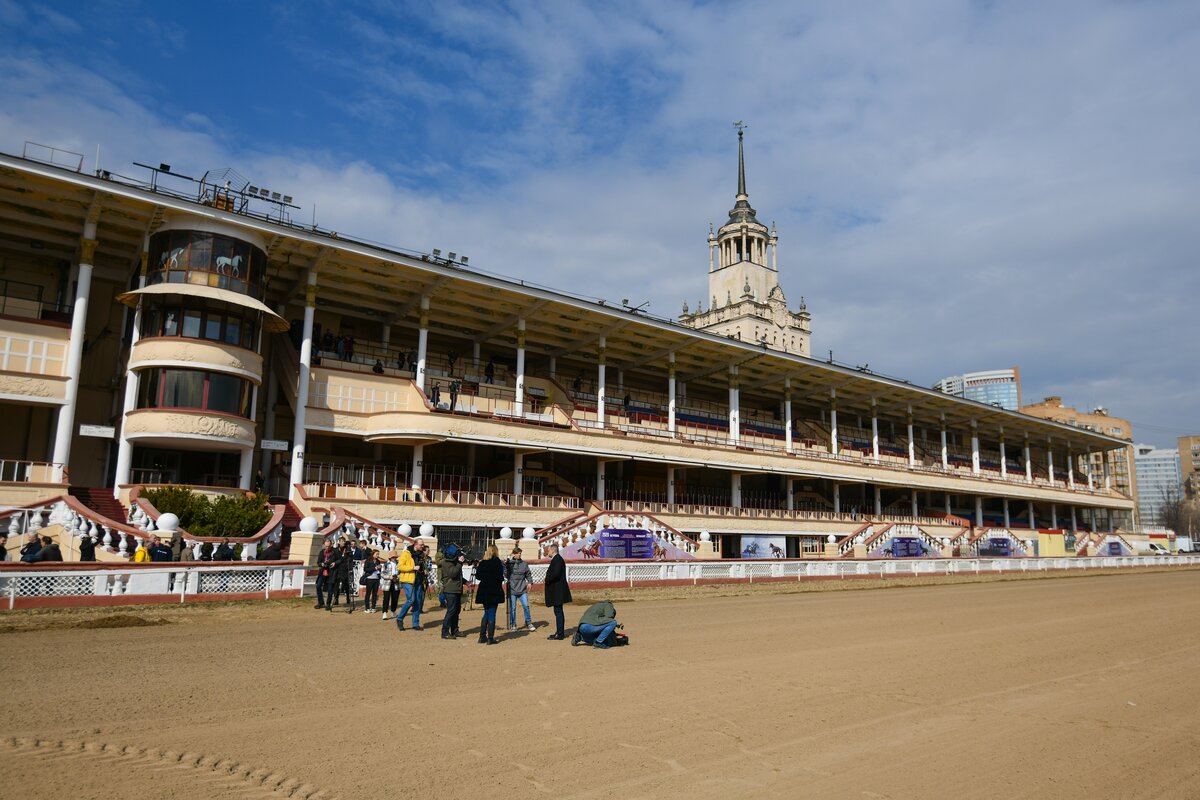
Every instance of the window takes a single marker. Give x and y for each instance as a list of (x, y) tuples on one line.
[(201, 319), (194, 389), (207, 259)]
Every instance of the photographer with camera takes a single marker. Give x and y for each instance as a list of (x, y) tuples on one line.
[(596, 625), (450, 568)]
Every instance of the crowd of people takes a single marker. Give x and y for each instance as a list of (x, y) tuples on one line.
[(414, 573)]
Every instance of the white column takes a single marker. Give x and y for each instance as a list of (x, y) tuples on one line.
[(1108, 477), (833, 431), (1007, 518), (553, 368), (599, 480), (671, 392), (520, 401), (978, 511), (1049, 461), (837, 499), (385, 339), (878, 501), (299, 432), (1028, 463), (947, 499), (1003, 459), (915, 508), (423, 343), (1090, 470), (418, 467), (912, 445), (1054, 516), (735, 422), (1032, 519), (64, 432), (475, 356), (670, 485), (1070, 469), (745, 255), (124, 446), (791, 499), (974, 447), (874, 432), (518, 472), (1074, 521), (787, 415), (245, 468), (945, 450), (735, 489), (600, 388)]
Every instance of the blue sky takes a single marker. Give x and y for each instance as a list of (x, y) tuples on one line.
[(957, 185)]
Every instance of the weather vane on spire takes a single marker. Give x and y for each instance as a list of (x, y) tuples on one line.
[(741, 126)]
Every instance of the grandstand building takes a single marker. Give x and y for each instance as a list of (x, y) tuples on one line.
[(181, 331)]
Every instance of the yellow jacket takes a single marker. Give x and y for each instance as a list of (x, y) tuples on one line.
[(141, 555), (408, 567)]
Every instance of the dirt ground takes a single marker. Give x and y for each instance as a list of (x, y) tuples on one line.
[(1072, 687)]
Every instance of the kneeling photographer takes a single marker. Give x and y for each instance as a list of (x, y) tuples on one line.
[(597, 626)]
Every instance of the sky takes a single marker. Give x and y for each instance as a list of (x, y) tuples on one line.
[(957, 186)]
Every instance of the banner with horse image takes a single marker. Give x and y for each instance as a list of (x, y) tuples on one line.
[(756, 546), (624, 543)]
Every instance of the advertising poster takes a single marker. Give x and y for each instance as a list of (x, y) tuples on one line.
[(624, 543), (907, 547), (758, 546), (1114, 548)]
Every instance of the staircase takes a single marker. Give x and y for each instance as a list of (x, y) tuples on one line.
[(291, 522), (101, 501)]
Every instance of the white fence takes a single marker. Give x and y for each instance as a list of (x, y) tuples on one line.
[(186, 583), (630, 573)]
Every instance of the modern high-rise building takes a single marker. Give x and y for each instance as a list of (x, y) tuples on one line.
[(1189, 465), (1157, 479), (997, 387)]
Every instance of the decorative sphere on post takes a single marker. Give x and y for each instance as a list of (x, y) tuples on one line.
[(405, 530), (506, 532), (426, 530), (705, 536), (307, 525), (168, 523), (528, 533), (831, 539)]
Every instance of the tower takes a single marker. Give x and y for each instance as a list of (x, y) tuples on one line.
[(747, 302)]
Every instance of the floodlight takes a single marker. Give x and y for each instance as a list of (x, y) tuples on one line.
[(252, 189), (165, 167), (287, 198), (464, 261), (452, 256), (275, 195), (437, 253)]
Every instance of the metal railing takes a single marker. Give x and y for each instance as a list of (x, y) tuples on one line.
[(32, 472)]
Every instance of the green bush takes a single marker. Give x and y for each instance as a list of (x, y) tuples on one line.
[(226, 516)]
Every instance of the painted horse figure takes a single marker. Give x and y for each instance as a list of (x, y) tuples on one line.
[(590, 550), (225, 263), (776, 551)]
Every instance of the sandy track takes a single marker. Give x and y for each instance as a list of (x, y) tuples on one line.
[(1047, 688)]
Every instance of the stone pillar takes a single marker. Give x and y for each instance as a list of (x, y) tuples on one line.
[(912, 445), (520, 400), (787, 415), (553, 368), (418, 465), (735, 489), (518, 472), (974, 447), (299, 432), (1007, 518), (64, 431), (1054, 516), (978, 511), (916, 511), (1049, 461), (600, 385), (833, 431), (246, 468), (1090, 470), (671, 392), (945, 449), (124, 446), (1028, 462), (1032, 517), (735, 412), (1074, 521), (878, 501), (874, 432), (423, 342), (837, 499), (1070, 468), (1003, 459), (947, 500), (600, 480), (791, 498), (670, 485)]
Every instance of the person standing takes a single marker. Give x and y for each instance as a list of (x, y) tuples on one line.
[(343, 558), (408, 579), (87, 548), (520, 576), (142, 554), (558, 591), (420, 581), (372, 573), (178, 548), (489, 575), (390, 585), (224, 552), (49, 551), (489, 372), (449, 563), (454, 388), (325, 562)]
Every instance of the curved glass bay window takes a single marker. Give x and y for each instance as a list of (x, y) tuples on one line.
[(207, 259), (197, 318), (195, 390)]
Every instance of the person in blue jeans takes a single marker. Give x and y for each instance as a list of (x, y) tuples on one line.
[(520, 576), (596, 625)]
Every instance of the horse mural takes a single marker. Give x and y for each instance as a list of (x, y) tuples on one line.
[(591, 549), (225, 264), (776, 551)]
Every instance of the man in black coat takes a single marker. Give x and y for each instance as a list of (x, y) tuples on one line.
[(33, 546), (342, 564), (49, 551), (224, 552), (159, 551), (271, 552), (325, 562), (558, 591), (87, 548)]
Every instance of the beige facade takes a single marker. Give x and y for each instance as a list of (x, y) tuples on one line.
[(1189, 465), (1116, 465)]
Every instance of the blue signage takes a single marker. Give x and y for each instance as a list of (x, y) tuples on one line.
[(1114, 548), (907, 547), (626, 543), (1000, 547)]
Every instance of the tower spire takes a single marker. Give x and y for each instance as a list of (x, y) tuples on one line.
[(741, 190)]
